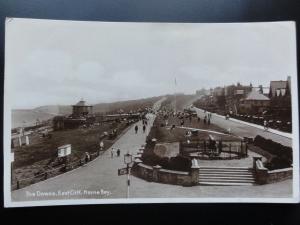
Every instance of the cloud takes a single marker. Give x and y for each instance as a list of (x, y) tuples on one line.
[(59, 62)]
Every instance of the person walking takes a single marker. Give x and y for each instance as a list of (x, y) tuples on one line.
[(136, 128), (144, 129), (112, 152), (182, 123), (87, 157), (265, 125), (118, 152), (229, 130)]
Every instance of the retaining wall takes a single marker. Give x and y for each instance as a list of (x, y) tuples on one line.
[(265, 176), (156, 174)]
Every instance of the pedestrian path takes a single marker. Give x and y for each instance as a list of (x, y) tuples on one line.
[(98, 176), (244, 130), (284, 134), (99, 180)]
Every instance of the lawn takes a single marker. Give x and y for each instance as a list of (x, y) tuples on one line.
[(41, 154)]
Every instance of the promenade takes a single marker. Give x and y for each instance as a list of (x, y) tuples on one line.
[(99, 179), (243, 129)]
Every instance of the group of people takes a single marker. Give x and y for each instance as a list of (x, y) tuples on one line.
[(145, 123), (114, 151), (207, 118)]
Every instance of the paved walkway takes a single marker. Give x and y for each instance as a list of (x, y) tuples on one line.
[(244, 129), (99, 179), (99, 175)]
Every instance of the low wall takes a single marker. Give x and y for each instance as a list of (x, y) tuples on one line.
[(265, 176), (156, 174), (279, 175)]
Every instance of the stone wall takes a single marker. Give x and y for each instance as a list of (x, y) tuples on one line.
[(280, 175), (265, 176), (159, 175)]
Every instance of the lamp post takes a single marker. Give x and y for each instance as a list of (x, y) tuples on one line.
[(128, 161), (101, 146)]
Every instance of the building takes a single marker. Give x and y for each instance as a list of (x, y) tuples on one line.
[(254, 103), (82, 115), (202, 91), (233, 95), (280, 95), (81, 109), (280, 88)]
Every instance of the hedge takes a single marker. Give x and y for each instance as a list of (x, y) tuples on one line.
[(178, 163), (283, 154)]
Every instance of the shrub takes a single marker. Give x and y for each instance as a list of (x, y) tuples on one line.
[(277, 163), (179, 163), (283, 154)]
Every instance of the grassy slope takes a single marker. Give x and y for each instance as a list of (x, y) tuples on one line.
[(49, 111)]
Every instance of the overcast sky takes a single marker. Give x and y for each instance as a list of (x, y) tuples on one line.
[(60, 62)]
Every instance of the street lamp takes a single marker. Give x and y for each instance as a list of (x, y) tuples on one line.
[(128, 161)]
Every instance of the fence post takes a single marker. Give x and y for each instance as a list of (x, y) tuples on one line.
[(195, 172)]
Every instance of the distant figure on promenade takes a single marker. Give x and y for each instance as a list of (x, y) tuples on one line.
[(265, 125), (182, 123), (101, 145), (146, 123), (199, 119), (229, 130), (112, 152), (144, 129), (136, 128), (227, 116), (87, 157), (118, 152), (205, 118), (208, 121)]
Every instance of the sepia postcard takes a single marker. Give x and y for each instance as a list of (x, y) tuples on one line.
[(126, 112)]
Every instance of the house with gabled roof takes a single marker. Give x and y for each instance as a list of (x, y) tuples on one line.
[(255, 102)]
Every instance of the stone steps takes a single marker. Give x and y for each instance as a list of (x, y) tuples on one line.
[(224, 184), (226, 176)]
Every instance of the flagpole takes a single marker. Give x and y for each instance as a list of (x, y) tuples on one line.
[(175, 110)]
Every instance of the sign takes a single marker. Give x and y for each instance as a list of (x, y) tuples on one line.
[(64, 150), (122, 171)]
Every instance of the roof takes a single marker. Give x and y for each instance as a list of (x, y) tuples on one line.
[(266, 90), (278, 84), (81, 103), (254, 95)]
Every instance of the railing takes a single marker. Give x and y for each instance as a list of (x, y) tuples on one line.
[(234, 149), (21, 183)]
